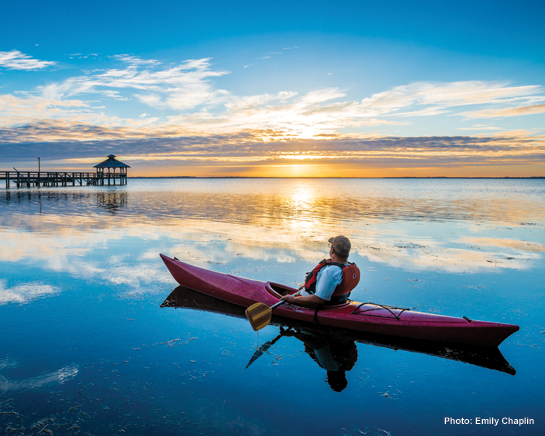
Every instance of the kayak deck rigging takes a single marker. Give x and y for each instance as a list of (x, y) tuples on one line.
[(380, 306)]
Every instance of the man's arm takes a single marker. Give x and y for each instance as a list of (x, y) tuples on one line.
[(305, 300), (328, 279)]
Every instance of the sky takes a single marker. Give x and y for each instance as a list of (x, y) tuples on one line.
[(279, 89)]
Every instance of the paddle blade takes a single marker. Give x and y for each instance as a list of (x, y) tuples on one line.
[(259, 315)]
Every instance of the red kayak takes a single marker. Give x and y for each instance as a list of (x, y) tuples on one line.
[(365, 317)]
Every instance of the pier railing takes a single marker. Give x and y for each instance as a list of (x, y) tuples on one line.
[(28, 179)]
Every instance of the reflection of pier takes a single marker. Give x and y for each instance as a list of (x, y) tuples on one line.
[(29, 179), (112, 200)]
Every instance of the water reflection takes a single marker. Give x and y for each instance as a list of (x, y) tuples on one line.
[(80, 266), (302, 202), (334, 353), (112, 201), (60, 376), (335, 350), (287, 226), (25, 293)]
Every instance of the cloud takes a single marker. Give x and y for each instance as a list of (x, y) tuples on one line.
[(200, 122), (239, 103), (188, 90), (480, 127), (507, 112), (444, 95), (86, 144), (181, 87), (317, 112), (378, 122), (10, 104), (114, 95), (135, 60), (15, 60), (40, 111)]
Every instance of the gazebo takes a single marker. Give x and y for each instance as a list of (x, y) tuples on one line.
[(111, 163)]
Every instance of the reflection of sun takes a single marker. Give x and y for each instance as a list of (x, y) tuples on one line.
[(301, 199), (301, 195)]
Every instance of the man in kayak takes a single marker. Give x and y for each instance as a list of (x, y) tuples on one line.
[(332, 280)]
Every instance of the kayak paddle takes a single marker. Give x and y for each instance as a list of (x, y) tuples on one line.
[(259, 314)]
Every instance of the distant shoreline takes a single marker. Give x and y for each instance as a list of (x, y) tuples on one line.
[(256, 177)]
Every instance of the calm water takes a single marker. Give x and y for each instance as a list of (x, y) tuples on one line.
[(86, 348)]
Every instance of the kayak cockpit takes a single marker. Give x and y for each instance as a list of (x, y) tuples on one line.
[(278, 291)]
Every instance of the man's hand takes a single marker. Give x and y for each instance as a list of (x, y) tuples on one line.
[(305, 300), (289, 298)]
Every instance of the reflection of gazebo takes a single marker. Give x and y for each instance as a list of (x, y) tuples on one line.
[(112, 163)]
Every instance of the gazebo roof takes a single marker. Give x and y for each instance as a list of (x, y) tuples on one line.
[(111, 162)]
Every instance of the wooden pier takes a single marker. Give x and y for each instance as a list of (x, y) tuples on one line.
[(28, 179), (106, 175)]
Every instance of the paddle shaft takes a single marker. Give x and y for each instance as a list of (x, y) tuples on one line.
[(283, 301)]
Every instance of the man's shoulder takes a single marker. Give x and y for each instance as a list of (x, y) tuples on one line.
[(335, 266), (332, 270)]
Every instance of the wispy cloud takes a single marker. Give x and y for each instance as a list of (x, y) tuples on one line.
[(181, 87), (275, 53), (18, 110), (507, 112), (480, 127), (16, 60), (445, 95), (239, 103), (135, 60)]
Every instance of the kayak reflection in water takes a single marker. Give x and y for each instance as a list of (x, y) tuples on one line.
[(332, 280), (333, 353)]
